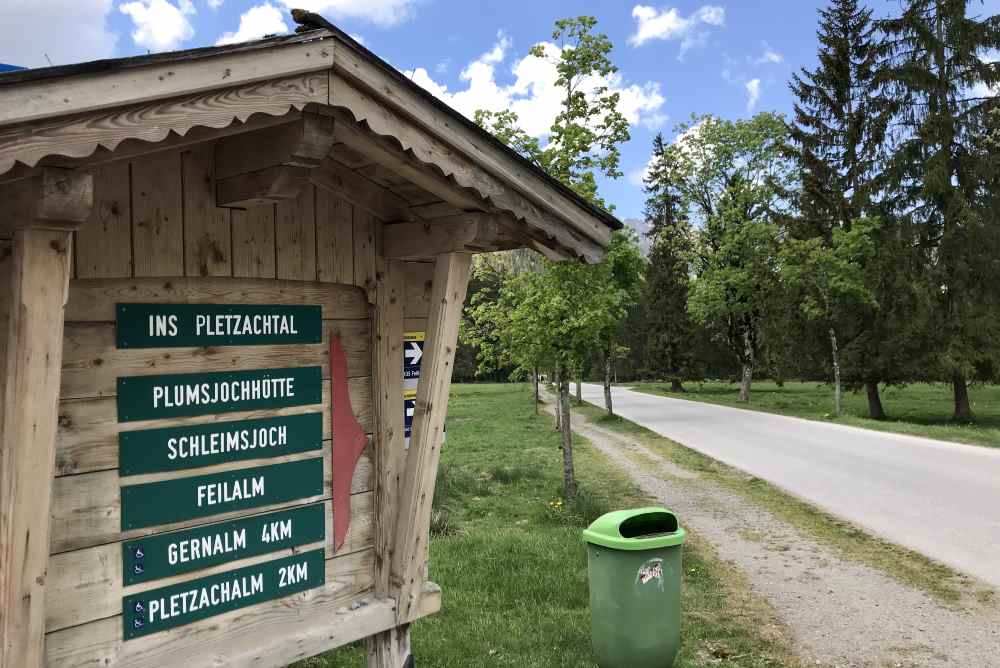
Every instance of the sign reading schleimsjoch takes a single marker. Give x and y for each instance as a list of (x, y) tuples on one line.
[(190, 447), (196, 325), (181, 499), (168, 554), (179, 604), (181, 395)]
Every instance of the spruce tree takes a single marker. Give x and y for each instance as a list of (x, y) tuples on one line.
[(669, 330), (934, 64), (836, 137)]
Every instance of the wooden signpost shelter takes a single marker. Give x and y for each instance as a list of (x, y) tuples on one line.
[(210, 261)]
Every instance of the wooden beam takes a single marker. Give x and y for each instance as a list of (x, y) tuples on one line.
[(360, 191), (390, 453), (47, 207), (472, 233), (271, 165), (60, 96), (382, 152), (82, 136), (451, 276)]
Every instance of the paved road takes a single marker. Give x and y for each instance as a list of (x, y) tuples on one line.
[(941, 499)]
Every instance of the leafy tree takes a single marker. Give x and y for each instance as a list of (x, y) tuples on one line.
[(830, 278), (733, 176), (669, 330), (555, 317), (933, 65)]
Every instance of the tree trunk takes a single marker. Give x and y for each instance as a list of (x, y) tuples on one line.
[(579, 392), (607, 386), (875, 410), (557, 377), (837, 409), (534, 379), (747, 371), (569, 477), (963, 412), (675, 385)]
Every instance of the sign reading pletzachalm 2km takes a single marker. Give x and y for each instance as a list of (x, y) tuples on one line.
[(179, 604), (181, 499), (180, 395), (195, 325), (177, 448), (178, 552)]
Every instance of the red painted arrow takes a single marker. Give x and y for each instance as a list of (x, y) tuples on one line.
[(349, 440)]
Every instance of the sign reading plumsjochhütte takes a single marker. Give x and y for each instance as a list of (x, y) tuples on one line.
[(178, 448), (177, 552), (195, 325), (182, 395), (179, 604), (181, 499)]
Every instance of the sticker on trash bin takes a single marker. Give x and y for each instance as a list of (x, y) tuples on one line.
[(649, 571)]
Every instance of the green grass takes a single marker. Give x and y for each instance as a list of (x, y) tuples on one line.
[(920, 409), (851, 542), (512, 566)]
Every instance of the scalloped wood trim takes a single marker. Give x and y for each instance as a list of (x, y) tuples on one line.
[(81, 136)]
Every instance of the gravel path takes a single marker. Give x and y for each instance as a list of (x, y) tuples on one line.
[(937, 498), (839, 613)]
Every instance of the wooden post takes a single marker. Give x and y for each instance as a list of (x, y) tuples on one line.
[(384, 649), (45, 209), (451, 276)]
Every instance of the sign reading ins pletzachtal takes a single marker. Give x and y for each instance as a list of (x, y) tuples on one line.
[(195, 325), (176, 605), (168, 554), (180, 395), (181, 499), (177, 448)]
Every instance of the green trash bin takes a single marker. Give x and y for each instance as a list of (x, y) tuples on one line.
[(634, 565)]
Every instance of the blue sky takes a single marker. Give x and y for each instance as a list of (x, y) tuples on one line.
[(726, 58)]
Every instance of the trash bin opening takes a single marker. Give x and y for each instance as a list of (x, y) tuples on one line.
[(648, 525)]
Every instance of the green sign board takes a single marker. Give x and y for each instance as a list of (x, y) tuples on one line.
[(180, 395), (195, 325), (183, 499), (168, 554), (178, 448), (176, 605)]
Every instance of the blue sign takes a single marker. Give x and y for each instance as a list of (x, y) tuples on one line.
[(413, 352)]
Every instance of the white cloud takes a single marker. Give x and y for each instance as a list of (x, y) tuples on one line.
[(358, 38), (255, 23), (666, 23), (68, 31), (753, 94), (383, 13), (214, 4), (160, 25), (533, 94), (639, 174), (770, 56)]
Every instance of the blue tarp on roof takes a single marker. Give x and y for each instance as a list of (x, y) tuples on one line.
[(10, 68)]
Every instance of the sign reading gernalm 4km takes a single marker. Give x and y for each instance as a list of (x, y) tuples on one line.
[(196, 325), (179, 604)]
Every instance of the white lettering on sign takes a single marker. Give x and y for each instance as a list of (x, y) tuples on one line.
[(220, 593), (163, 325), (200, 445), (193, 549), (237, 324), (200, 394), (214, 493), (293, 574)]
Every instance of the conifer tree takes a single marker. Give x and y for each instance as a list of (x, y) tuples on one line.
[(669, 330), (934, 64)]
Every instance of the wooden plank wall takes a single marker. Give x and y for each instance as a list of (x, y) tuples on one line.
[(155, 218)]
